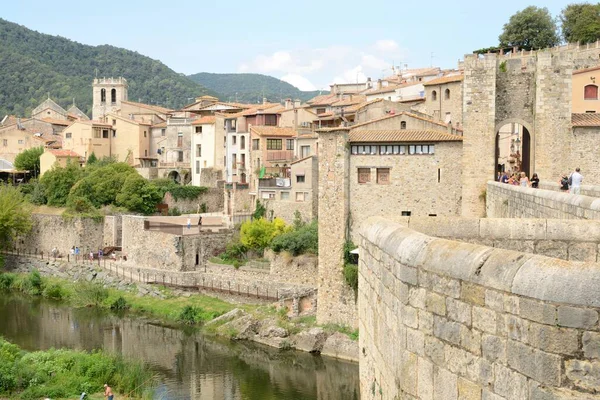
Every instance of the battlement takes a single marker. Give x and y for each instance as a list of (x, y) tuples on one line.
[(110, 81)]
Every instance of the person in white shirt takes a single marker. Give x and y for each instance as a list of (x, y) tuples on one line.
[(576, 179)]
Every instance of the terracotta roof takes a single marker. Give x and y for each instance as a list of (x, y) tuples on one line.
[(356, 99), (364, 104), (204, 120), (93, 123), (386, 89), (401, 135), (586, 119), (302, 159), (160, 125), (323, 100), (581, 71), (273, 131), (64, 153), (444, 79), (57, 121), (158, 109), (401, 113)]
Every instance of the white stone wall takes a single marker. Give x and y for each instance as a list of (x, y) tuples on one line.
[(445, 320)]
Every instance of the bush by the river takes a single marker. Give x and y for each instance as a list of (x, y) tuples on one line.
[(68, 373), (300, 240)]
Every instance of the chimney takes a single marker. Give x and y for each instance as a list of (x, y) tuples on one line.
[(378, 84), (288, 103), (297, 103), (369, 83), (264, 100)]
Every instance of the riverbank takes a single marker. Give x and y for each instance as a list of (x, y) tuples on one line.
[(89, 285)]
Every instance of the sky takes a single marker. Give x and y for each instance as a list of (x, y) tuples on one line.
[(307, 43)]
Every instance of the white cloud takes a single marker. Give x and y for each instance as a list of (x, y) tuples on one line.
[(369, 61), (299, 81), (351, 75), (386, 46)]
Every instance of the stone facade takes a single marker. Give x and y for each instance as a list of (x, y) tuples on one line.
[(508, 201), (213, 198), (472, 322)]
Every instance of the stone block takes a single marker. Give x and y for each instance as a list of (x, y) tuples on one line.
[(409, 317), (493, 348), (426, 322), (487, 395), (567, 229), (401, 291), (584, 374), (577, 317), (481, 371), (406, 274), (494, 300), (522, 246), (498, 228), (416, 297), (408, 373), (553, 339), (446, 330), (457, 359), (511, 304), (435, 303), (434, 349), (470, 340), (446, 227), (539, 392), (425, 379), (473, 294), (458, 311), (552, 248), (509, 384), (340, 346), (537, 311), (583, 252), (445, 384), (591, 344), (484, 319), (468, 390), (516, 328), (536, 364), (415, 341)]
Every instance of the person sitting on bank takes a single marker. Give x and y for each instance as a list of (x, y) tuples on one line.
[(108, 392)]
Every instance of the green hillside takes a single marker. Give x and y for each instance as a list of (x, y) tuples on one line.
[(34, 64), (250, 87)]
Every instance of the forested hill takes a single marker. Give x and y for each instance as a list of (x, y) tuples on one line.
[(33, 64), (250, 88)]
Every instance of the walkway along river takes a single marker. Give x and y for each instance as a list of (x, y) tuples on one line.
[(189, 365)]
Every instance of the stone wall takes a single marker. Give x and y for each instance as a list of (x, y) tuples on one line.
[(286, 209), (213, 198), (302, 269), (576, 240), (508, 201), (445, 320), (51, 231), (586, 190)]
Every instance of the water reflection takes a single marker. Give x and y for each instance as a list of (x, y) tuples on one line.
[(190, 366)]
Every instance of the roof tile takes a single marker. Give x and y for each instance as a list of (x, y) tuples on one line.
[(585, 119), (273, 131), (401, 135)]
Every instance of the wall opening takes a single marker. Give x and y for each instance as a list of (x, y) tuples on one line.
[(513, 150)]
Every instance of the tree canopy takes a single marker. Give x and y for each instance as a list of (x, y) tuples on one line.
[(580, 22), (29, 160), (15, 215), (531, 28)]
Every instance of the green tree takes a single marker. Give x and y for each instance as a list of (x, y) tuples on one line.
[(530, 29), (29, 160), (258, 234), (58, 183), (139, 195), (15, 215), (102, 185), (580, 22), (92, 159)]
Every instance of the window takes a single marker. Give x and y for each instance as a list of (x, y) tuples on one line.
[(103, 95), (180, 139), (386, 150), (285, 195), (305, 151), (97, 134), (114, 133), (197, 166), (590, 92), (411, 149), (68, 135), (113, 96), (163, 132), (105, 134), (233, 124), (274, 144), (364, 175), (242, 142), (20, 141), (198, 129), (300, 179), (243, 162), (300, 196), (144, 133), (383, 176), (198, 150), (320, 110), (447, 94), (268, 195), (403, 125), (289, 144), (405, 213), (233, 139), (114, 122), (270, 119), (255, 144), (145, 153), (180, 156), (433, 95)]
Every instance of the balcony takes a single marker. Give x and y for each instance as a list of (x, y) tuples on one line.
[(280, 155), (274, 183), (174, 164)]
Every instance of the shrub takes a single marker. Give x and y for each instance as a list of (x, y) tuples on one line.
[(80, 204), (58, 183), (120, 304), (7, 280), (298, 241), (189, 315), (90, 294), (138, 195), (55, 291), (258, 234), (351, 276), (260, 211)]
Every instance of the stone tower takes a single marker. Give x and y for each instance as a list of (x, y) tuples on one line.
[(108, 93)]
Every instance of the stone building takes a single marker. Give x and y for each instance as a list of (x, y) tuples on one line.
[(585, 91), (444, 99), (25, 134)]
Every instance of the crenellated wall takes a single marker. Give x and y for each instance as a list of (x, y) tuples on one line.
[(440, 319), (508, 201)]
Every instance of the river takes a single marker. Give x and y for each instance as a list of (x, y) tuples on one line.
[(189, 365)]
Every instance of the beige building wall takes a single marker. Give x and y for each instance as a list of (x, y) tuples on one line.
[(101, 108), (14, 140), (446, 105), (581, 79), (297, 118), (423, 184), (49, 113), (82, 138), (49, 160), (131, 139), (203, 157), (403, 121)]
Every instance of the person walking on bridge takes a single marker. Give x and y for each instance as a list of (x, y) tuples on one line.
[(575, 181)]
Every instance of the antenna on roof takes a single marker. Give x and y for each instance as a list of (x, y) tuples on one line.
[(48, 95), (432, 56), (73, 101)]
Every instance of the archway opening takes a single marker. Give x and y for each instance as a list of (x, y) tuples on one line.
[(513, 150), (174, 175)]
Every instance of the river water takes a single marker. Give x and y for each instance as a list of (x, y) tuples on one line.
[(188, 365)]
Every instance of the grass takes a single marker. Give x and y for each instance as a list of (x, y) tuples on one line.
[(226, 261)]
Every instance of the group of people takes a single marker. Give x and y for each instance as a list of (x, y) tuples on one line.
[(519, 179), (76, 252), (568, 182)]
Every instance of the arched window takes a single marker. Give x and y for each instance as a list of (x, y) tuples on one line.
[(103, 95), (113, 96), (447, 94), (403, 125), (590, 92), (433, 96)]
